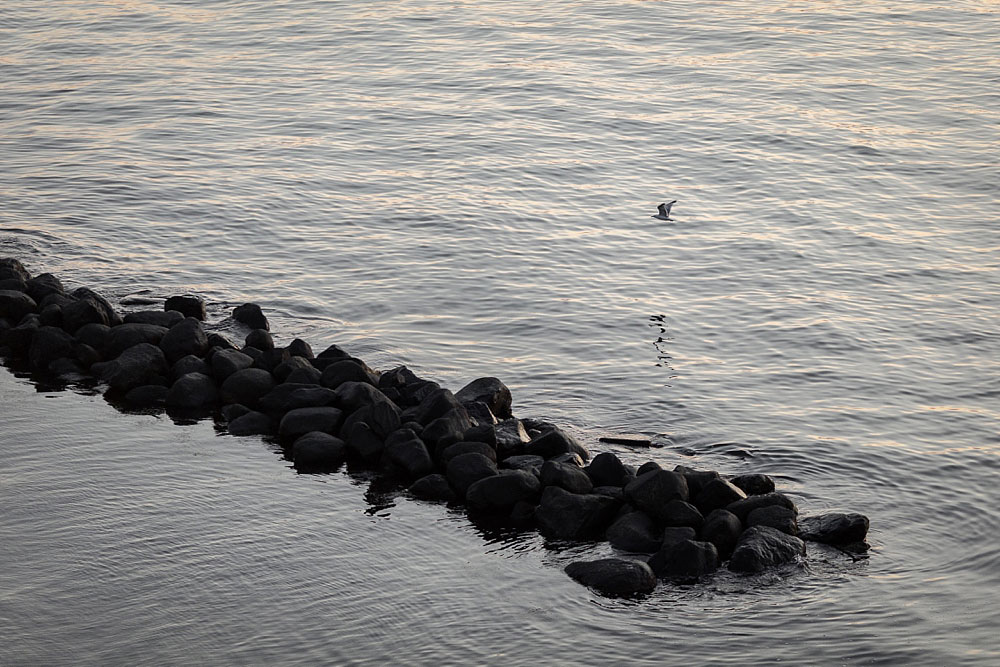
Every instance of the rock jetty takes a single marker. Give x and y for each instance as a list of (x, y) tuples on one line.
[(465, 447)]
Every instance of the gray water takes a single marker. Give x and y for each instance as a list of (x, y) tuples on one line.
[(466, 188)]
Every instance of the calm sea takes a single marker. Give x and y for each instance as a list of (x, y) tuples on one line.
[(466, 188)]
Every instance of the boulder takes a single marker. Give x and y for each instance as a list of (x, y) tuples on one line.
[(611, 491), (742, 508), (687, 560), (126, 335), (251, 423), (12, 268), (465, 470), (678, 513), (447, 429), (697, 479), (754, 484), (300, 396), (251, 315), (184, 338), (227, 362), (300, 421), (300, 348), (94, 335), (81, 312), (834, 528), (717, 494), (566, 476), (451, 451), (109, 313), (674, 534), (652, 491), (364, 443), (186, 305), (437, 404), (260, 339), (648, 466), (304, 375), (318, 452), (291, 364), (479, 413), (160, 318), (571, 516), (501, 492), (136, 366), (19, 338), (193, 391), (218, 341), (43, 285), (383, 417), (527, 462), (354, 395), (247, 386), (774, 516), (635, 532), (85, 355), (615, 577), (51, 315), (607, 470), (234, 411), (147, 396), (760, 547), (408, 455), (47, 345), (432, 487), (488, 390), (555, 441), (510, 436), (15, 304), (722, 528)]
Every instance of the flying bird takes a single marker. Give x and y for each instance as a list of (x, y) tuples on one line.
[(664, 211)]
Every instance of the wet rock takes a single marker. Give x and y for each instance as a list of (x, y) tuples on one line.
[(447, 429), (160, 318), (19, 338), (184, 338), (300, 348), (110, 314), (754, 484), (147, 396), (436, 405), (511, 437), (43, 285), (247, 386), (432, 487), (488, 390), (526, 462), (14, 305), (466, 469), (189, 364), (186, 305), (304, 375), (193, 391), (94, 335), (126, 335), (407, 454), (742, 508), (85, 355), (354, 395), (300, 396), (300, 421), (697, 479), (522, 514), (571, 516), (291, 364), (615, 577), (567, 476), (648, 466), (501, 492), (14, 285), (234, 411), (318, 452), (687, 560), (680, 514), (774, 516), (607, 470), (260, 339), (451, 451), (12, 268), (136, 366), (834, 528), (717, 494), (251, 315), (47, 345), (485, 433), (674, 534), (652, 491), (81, 312), (636, 532), (51, 315), (722, 528), (610, 491), (760, 547), (555, 441), (480, 413), (251, 423), (217, 341), (227, 362), (364, 443)]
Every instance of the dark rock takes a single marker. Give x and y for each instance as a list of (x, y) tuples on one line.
[(304, 376), (94, 335), (136, 366), (451, 451), (260, 339), (227, 362), (741, 508), (184, 338), (193, 391), (300, 396), (43, 285), (760, 547), (610, 491), (571, 458), (383, 417), (80, 312), (522, 514), (607, 470), (408, 455), (188, 364), (11, 268), (674, 534), (270, 359), (754, 484), (19, 338), (572, 516), (616, 577), (247, 386), (333, 352), (318, 452), (501, 492), (160, 318), (14, 285), (251, 315), (652, 491), (398, 377), (648, 466), (432, 487), (555, 441), (300, 421), (511, 437), (300, 348), (438, 404), (686, 560), (480, 413), (51, 316), (488, 390), (485, 433), (85, 355), (636, 532), (466, 469), (47, 345), (834, 528), (87, 294), (527, 462), (14, 305), (126, 335), (186, 305), (55, 298), (234, 411), (774, 516), (286, 367), (678, 513), (364, 443), (722, 528), (251, 423), (718, 494), (566, 476), (697, 479), (447, 429), (354, 395), (148, 395)]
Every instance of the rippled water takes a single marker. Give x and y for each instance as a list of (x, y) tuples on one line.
[(466, 188)]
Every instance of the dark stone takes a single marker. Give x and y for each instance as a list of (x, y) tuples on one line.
[(488, 390), (678, 513), (722, 528), (408, 455), (485, 433), (251, 315), (741, 508), (760, 547), (717, 494), (511, 437), (43, 285), (555, 441), (635, 532), (415, 394), (85, 355), (686, 560), (110, 314), (227, 362), (160, 318), (47, 345), (94, 335), (607, 470), (184, 338), (527, 462), (364, 443), (383, 417), (300, 421), (754, 484), (354, 395), (148, 395), (451, 451), (652, 491), (270, 359), (80, 312), (134, 367), (11, 268), (286, 367), (260, 339), (834, 528), (432, 487), (610, 491), (697, 479), (14, 285), (251, 423), (14, 305), (436, 405), (188, 364), (186, 305), (219, 342), (51, 316), (300, 396), (614, 577), (572, 516), (247, 386), (126, 335), (193, 391), (234, 411), (566, 476), (501, 492), (19, 338), (300, 348), (333, 352), (522, 513), (466, 469), (648, 466), (318, 452), (674, 534), (447, 429), (304, 376), (774, 516), (480, 413)]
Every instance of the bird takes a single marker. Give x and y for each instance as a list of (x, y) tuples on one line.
[(664, 211)]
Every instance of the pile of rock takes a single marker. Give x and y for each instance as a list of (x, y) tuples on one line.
[(465, 447)]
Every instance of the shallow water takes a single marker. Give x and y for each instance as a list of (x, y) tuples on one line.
[(466, 188)]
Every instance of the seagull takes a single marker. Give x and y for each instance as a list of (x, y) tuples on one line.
[(664, 211)]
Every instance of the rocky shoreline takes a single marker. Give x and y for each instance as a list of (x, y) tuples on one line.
[(465, 448)]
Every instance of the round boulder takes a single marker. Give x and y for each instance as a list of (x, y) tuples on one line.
[(614, 577)]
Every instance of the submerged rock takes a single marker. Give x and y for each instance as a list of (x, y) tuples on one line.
[(318, 452), (685, 560), (554, 442), (775, 516), (568, 476), (760, 547), (251, 315), (187, 305), (432, 487), (607, 470), (501, 492), (572, 516), (834, 528), (616, 577), (464, 470), (754, 484), (193, 391), (722, 528), (636, 532)]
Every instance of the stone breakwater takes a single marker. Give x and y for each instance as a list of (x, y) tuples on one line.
[(465, 447)]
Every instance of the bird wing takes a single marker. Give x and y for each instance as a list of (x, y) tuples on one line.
[(663, 209)]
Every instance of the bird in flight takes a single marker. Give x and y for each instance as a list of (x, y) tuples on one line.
[(664, 211)]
